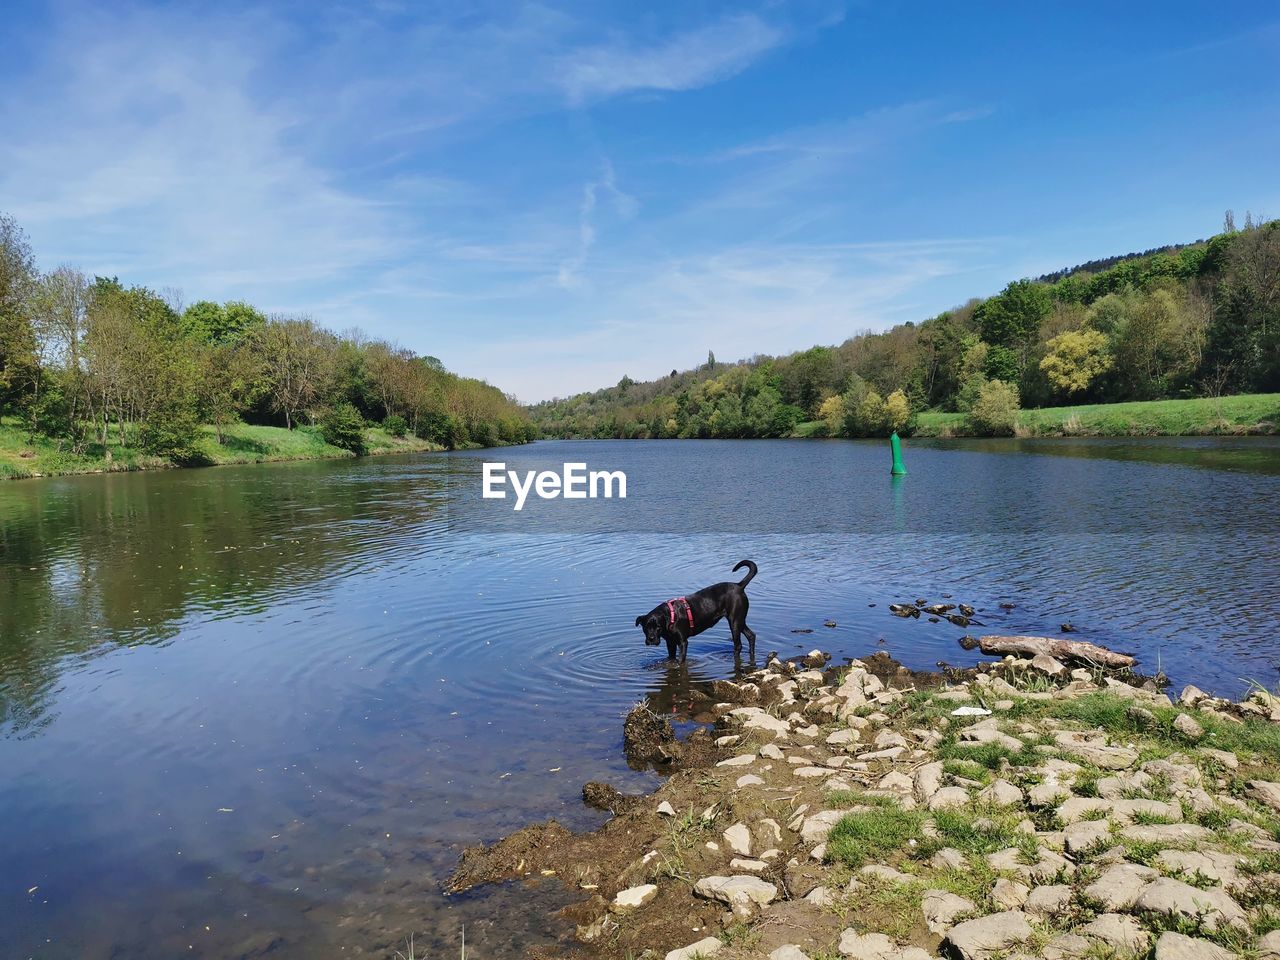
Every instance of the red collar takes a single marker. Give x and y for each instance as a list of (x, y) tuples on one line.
[(671, 610)]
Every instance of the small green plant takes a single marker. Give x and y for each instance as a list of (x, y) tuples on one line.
[(395, 425), (343, 427), (867, 835)]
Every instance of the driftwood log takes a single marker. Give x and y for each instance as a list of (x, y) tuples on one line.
[(1073, 650)]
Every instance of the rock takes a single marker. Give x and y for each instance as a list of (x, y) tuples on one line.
[(819, 897), (1076, 808), (978, 735), (883, 872), (703, 948), (753, 718), (1123, 933), (949, 797), (1119, 887), (1048, 901), (634, 897), (1009, 894), (816, 827), (1094, 749), (1188, 727), (1170, 833), (1068, 946), (666, 809), (749, 780), (739, 761), (811, 773), (897, 783), (771, 752), (1269, 946), (1228, 760), (942, 908), (744, 895), (1212, 908), (928, 779), (768, 832), (1191, 695), (843, 738), (1218, 867), (1126, 811), (1002, 793), (1176, 946), (788, 951), (948, 858), (985, 936), (1047, 665), (754, 866), (1266, 793), (738, 837), (871, 946), (1085, 835), (1048, 793)]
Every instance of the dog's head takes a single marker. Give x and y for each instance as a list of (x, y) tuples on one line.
[(652, 627)]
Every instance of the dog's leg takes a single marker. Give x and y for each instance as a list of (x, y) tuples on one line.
[(671, 649), (735, 631), (684, 649), (751, 639)]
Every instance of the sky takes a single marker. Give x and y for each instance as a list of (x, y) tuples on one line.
[(551, 196)]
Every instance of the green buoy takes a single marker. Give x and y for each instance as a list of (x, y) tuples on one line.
[(896, 446)]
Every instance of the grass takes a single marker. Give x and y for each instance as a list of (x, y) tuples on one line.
[(870, 834), (1247, 413), (242, 443)]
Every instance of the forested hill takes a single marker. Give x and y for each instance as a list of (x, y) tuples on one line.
[(1200, 319), (84, 360)]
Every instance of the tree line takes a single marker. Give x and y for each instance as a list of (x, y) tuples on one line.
[(86, 360), (1201, 319)]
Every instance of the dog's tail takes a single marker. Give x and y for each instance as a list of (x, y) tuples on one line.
[(750, 567)]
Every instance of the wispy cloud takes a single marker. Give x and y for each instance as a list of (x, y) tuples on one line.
[(692, 59), (569, 274)]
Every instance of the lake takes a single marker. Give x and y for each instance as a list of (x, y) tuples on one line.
[(252, 710)]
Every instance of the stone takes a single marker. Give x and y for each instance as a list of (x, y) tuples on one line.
[(1119, 887), (882, 872), (768, 832), (977, 736), (771, 752), (738, 837), (897, 783), (843, 737), (753, 718), (1170, 833), (1269, 946), (811, 773), (749, 780), (1211, 865), (1009, 894), (754, 866), (820, 897), (949, 797), (816, 827), (1176, 946), (928, 780), (948, 858), (1094, 749), (788, 951), (1047, 665), (1002, 793), (1186, 726), (1126, 811), (1266, 793), (984, 937), (1048, 793), (1068, 946), (1077, 808), (703, 948), (1116, 930), (739, 761), (744, 895), (1048, 901), (1085, 835), (666, 809), (870, 946), (1191, 695), (634, 897), (942, 908), (1212, 908), (1229, 760)]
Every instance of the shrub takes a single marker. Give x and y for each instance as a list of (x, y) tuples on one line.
[(173, 434), (343, 427), (395, 425), (995, 413)]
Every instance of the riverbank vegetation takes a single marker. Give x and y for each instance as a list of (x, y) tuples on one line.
[(98, 372), (1200, 320)]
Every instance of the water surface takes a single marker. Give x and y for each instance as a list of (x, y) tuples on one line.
[(261, 708)]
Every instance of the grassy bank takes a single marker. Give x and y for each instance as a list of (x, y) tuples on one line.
[(21, 457), (1247, 413)]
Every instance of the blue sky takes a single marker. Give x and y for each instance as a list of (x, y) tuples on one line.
[(552, 196)]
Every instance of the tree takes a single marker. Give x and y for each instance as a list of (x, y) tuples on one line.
[(298, 361), (19, 365), (831, 412), (897, 411), (995, 413), (230, 381), (1075, 359), (343, 427)]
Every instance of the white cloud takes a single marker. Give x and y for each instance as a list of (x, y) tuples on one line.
[(569, 275), (692, 59)]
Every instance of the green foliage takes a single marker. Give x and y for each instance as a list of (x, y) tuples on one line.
[(343, 427), (995, 412), (395, 425), (868, 835)]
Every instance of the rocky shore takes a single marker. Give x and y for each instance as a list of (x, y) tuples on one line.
[(1022, 809)]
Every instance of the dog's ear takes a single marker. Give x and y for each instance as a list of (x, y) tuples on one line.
[(640, 621)]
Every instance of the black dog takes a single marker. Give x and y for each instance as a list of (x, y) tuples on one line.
[(677, 620)]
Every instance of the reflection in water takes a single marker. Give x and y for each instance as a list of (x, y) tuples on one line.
[(262, 708)]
